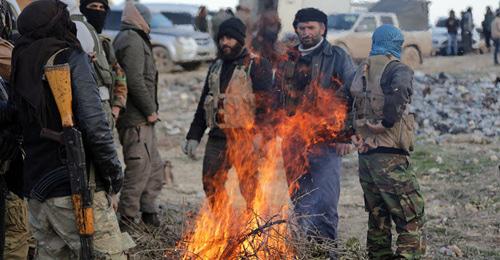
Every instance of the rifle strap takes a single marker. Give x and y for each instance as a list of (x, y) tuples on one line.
[(50, 61), (91, 178)]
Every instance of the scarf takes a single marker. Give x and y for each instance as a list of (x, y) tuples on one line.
[(45, 28)]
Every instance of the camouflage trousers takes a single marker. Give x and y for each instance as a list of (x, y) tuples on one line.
[(53, 225), (17, 233), (392, 192)]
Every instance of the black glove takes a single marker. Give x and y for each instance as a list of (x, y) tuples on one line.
[(114, 184)]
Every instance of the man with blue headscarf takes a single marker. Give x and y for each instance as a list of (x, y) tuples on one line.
[(381, 93)]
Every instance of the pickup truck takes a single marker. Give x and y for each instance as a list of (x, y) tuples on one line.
[(353, 32)]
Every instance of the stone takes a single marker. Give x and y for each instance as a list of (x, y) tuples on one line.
[(439, 160)]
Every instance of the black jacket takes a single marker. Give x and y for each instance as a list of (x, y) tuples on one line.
[(452, 24), (45, 158), (397, 85), (329, 65), (261, 75)]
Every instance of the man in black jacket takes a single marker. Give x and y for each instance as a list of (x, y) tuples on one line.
[(452, 25), (314, 63), (234, 65), (47, 32)]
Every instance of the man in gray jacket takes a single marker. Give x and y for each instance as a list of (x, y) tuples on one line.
[(144, 167)]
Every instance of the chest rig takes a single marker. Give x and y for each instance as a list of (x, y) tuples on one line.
[(104, 72), (368, 106), (235, 108)]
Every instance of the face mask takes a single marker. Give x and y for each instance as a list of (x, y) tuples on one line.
[(95, 18)]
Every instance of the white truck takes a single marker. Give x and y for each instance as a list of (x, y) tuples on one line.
[(353, 32), (288, 8)]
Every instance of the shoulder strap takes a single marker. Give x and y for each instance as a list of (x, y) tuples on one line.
[(50, 61)]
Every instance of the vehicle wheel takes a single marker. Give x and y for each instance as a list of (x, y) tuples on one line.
[(411, 57), (162, 59), (191, 66)]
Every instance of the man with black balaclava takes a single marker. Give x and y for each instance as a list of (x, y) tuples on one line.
[(315, 62), (234, 96), (136, 125), (48, 37), (109, 75)]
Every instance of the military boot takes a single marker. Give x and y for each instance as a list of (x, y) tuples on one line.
[(151, 219)]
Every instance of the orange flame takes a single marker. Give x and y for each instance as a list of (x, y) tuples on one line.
[(224, 230)]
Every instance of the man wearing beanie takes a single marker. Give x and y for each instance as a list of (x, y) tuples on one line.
[(136, 124), (238, 80), (384, 138), (314, 62), (109, 75)]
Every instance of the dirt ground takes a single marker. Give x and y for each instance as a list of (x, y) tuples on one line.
[(460, 179)]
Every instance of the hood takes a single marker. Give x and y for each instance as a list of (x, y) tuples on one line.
[(133, 17), (73, 6)]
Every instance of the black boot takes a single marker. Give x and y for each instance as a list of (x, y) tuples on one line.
[(151, 219)]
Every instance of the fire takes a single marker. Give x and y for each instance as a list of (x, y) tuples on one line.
[(225, 230)]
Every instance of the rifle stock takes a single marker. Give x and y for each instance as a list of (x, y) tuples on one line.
[(59, 78)]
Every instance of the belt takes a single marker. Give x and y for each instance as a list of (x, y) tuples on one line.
[(104, 93)]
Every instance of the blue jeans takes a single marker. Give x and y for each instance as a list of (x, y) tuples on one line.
[(452, 44), (497, 50), (317, 198)]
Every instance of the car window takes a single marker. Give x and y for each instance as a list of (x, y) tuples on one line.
[(368, 24), (179, 18), (113, 20), (342, 21), (158, 21), (441, 22), (386, 20)]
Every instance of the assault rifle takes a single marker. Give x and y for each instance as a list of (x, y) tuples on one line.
[(59, 78)]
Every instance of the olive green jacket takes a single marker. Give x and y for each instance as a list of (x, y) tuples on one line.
[(135, 56)]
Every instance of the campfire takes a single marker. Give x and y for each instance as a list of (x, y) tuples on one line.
[(225, 229)]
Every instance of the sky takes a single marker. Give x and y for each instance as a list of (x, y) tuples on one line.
[(437, 8)]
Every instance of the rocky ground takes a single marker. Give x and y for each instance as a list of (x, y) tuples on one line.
[(456, 158)]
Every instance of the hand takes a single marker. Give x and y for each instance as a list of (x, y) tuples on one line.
[(359, 143), (115, 111), (115, 184), (153, 118), (114, 202), (189, 148), (376, 128), (93, 56), (343, 149)]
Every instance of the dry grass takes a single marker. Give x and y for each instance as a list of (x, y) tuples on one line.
[(166, 242)]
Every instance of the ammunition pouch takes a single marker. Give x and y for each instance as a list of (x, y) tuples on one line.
[(400, 136), (236, 107), (210, 111)]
